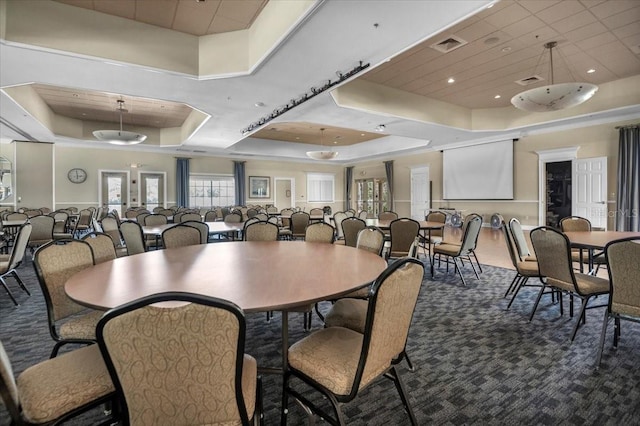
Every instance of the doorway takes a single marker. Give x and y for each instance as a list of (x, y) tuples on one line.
[(285, 195), (152, 190), (558, 192), (114, 190), (420, 193)]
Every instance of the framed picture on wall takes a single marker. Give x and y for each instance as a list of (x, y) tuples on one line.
[(259, 186)]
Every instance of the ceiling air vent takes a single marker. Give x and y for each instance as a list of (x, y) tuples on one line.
[(448, 44), (529, 80)]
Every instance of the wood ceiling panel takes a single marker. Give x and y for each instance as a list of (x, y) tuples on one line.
[(309, 133), (193, 17), (156, 12), (122, 8)]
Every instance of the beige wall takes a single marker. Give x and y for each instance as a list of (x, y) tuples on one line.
[(593, 141), (34, 166)]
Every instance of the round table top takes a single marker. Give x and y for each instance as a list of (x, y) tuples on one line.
[(386, 224), (257, 276), (214, 228)]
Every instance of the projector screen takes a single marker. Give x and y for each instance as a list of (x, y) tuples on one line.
[(479, 172)]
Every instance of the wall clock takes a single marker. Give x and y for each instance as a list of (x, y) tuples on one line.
[(77, 175)]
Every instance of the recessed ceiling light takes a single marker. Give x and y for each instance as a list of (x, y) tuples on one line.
[(361, 134), (497, 96), (451, 80), (380, 128), (490, 6), (335, 142), (506, 49), (591, 71)]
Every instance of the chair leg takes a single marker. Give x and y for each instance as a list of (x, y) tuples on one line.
[(459, 271), (285, 398), (473, 267), (477, 261), (605, 322), (616, 332), (535, 305), (4, 284), (522, 282), (403, 396), (511, 286), (14, 274), (409, 363), (583, 312)]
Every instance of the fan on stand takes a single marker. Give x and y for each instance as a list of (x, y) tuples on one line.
[(496, 223)]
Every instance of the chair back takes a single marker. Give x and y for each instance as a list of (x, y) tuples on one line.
[(261, 231), (131, 214), (33, 212), (392, 301), (316, 211), (553, 252), (42, 230), (575, 224), (16, 216), (350, 228), (624, 271), (299, 222), (233, 218), (513, 255), (155, 220), (472, 226), (195, 217), (202, 227), (141, 215), (439, 217), (55, 263), (403, 234), (251, 213), (133, 237), (181, 236), (211, 216), (19, 246), (101, 245), (61, 222), (388, 215), (350, 212), (363, 214), (208, 360), (8, 387), (338, 217), (165, 212), (111, 227), (84, 218), (272, 210), (320, 232), (519, 238), (371, 239)]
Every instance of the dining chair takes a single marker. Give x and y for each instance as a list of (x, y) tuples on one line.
[(261, 231), (55, 390), (363, 214), (456, 253), (195, 217), (154, 220), (101, 245), (624, 298), (520, 241), (338, 362), (69, 322), (320, 232), (338, 217), (524, 269), (299, 222), (202, 227), (171, 370), (581, 224), (83, 223), (553, 251), (403, 234), (42, 231), (432, 236), (350, 228), (133, 237), (180, 236), (211, 216), (61, 225), (388, 215), (33, 212), (14, 259), (141, 215)]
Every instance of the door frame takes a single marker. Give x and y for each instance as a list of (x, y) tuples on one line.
[(100, 173), (293, 191), (152, 172), (550, 156), (415, 170)]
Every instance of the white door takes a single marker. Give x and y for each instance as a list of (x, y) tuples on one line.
[(590, 190), (284, 196), (420, 196), (152, 190), (114, 192)]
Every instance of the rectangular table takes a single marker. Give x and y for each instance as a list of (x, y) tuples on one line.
[(595, 240)]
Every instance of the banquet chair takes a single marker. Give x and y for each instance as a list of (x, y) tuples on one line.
[(319, 232), (363, 214), (581, 224), (299, 222), (42, 231), (141, 215), (69, 322), (388, 215), (195, 217), (261, 231), (61, 225), (524, 269), (433, 236), (456, 253), (338, 362), (55, 390), (181, 236), (211, 216), (403, 233), (202, 227), (217, 384), (553, 251), (10, 262), (524, 252), (624, 299), (83, 223), (350, 228), (133, 237), (338, 217), (233, 218), (154, 219), (33, 212), (101, 245)]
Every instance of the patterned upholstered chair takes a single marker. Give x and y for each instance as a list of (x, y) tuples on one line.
[(339, 362), (553, 251), (299, 222), (261, 231), (456, 253), (83, 223), (624, 299), (102, 246), (202, 227), (9, 263), (217, 382), (154, 220), (133, 237), (42, 231), (57, 389), (61, 225), (181, 236), (388, 215), (320, 232), (581, 224), (350, 228), (55, 263), (404, 233), (338, 217), (196, 217)]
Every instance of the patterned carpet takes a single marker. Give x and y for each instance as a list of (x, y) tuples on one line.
[(477, 363)]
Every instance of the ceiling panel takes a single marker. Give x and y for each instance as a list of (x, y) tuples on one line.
[(310, 133)]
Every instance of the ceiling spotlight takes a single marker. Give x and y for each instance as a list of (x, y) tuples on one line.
[(451, 80), (591, 71), (380, 128), (497, 97)]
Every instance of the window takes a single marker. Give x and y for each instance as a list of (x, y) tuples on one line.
[(372, 195), (206, 191), (320, 187)]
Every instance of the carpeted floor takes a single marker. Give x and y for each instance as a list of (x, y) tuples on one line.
[(477, 363)]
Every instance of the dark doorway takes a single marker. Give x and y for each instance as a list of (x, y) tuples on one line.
[(558, 191)]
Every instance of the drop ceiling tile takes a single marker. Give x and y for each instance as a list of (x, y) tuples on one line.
[(524, 26), (610, 8), (561, 10), (632, 41), (627, 31), (221, 24), (513, 12), (574, 22), (587, 32), (535, 6), (241, 11), (194, 17), (480, 29), (630, 16), (122, 8), (599, 40)]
